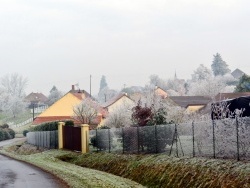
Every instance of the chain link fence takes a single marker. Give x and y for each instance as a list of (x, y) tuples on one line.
[(227, 138)]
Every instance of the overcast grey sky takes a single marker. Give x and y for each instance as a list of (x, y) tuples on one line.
[(62, 42)]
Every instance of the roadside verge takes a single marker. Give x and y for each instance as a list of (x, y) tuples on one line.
[(74, 175)]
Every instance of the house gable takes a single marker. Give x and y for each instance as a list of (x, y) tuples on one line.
[(62, 107), (159, 91), (117, 101), (122, 101)]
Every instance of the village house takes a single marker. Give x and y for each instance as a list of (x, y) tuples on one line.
[(36, 99), (118, 101), (63, 109)]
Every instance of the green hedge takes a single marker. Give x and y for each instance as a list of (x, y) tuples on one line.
[(50, 126)]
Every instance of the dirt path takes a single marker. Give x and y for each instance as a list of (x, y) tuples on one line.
[(7, 142)]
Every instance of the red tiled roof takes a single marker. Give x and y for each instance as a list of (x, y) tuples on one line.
[(40, 120), (80, 94), (237, 73), (36, 97), (224, 96), (185, 101)]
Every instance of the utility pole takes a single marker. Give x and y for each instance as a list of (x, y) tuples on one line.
[(33, 111), (90, 86)]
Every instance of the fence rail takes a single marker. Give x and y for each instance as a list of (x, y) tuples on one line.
[(45, 139), (228, 138), (39, 109), (12, 125)]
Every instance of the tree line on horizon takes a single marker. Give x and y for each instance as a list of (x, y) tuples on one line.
[(204, 81)]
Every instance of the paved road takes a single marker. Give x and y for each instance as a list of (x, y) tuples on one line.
[(15, 174)]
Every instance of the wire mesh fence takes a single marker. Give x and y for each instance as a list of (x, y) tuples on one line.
[(227, 138)]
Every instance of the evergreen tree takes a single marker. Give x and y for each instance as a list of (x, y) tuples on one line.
[(53, 89), (219, 66), (244, 84), (103, 83), (54, 95)]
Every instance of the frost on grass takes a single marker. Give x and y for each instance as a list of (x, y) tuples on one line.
[(74, 175)]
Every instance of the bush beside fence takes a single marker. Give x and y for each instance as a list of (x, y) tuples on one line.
[(45, 139)]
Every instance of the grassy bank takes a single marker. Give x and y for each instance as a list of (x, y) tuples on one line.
[(75, 176), (162, 171)]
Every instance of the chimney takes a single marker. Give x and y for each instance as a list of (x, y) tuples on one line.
[(73, 88)]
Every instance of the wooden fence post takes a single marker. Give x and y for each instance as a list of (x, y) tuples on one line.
[(85, 138), (60, 135)]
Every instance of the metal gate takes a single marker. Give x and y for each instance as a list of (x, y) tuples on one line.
[(72, 138)]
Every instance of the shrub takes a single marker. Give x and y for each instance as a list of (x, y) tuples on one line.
[(1, 135), (6, 134), (25, 132), (69, 123), (148, 139), (50, 126), (4, 126), (102, 140), (104, 127), (11, 132)]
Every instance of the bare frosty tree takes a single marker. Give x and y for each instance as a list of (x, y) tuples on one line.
[(105, 94), (12, 93), (177, 85), (14, 85), (155, 80), (228, 125), (120, 117), (209, 87), (86, 111), (151, 99), (201, 73), (203, 82), (173, 114)]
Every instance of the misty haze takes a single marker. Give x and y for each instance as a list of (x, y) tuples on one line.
[(152, 93)]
